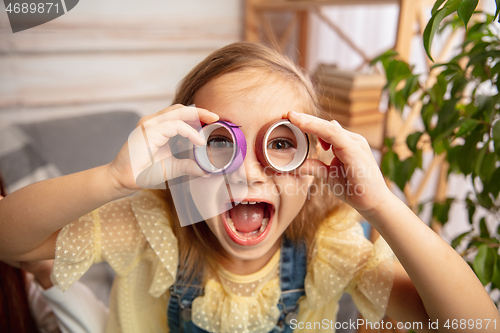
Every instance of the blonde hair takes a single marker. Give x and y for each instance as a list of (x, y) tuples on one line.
[(198, 246)]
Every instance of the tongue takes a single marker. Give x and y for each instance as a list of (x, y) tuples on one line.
[(248, 218)]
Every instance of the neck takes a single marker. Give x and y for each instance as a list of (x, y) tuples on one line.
[(246, 267)]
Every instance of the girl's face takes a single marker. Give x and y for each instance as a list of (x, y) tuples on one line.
[(270, 201)]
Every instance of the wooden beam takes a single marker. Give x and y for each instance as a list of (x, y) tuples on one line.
[(268, 30), (288, 32), (303, 17), (251, 21), (405, 31)]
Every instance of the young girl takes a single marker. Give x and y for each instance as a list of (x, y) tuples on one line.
[(276, 258)]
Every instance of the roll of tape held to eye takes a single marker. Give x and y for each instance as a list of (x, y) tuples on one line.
[(280, 146), (225, 150)]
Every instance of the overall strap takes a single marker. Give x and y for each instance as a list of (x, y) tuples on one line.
[(182, 294), (293, 270)]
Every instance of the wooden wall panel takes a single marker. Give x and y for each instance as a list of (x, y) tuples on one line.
[(109, 53), (89, 78)]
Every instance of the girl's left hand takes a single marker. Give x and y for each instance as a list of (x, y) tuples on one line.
[(353, 174)]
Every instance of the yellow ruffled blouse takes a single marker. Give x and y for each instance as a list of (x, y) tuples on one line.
[(134, 236)]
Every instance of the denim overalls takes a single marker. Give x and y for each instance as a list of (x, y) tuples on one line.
[(292, 275)]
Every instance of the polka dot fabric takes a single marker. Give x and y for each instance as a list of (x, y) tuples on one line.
[(135, 237), (344, 260), (240, 304), (74, 252)]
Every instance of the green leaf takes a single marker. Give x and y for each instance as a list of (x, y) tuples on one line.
[(467, 126), (486, 105), (466, 154), (385, 57), (398, 68), (388, 164), (495, 133), (427, 113), (396, 98), (465, 10), (439, 146), (498, 8), (410, 87), (488, 167), (418, 158), (448, 117), (483, 229), (478, 161), (412, 140), (451, 156), (436, 6), (440, 210), (456, 242), (389, 142), (481, 57), (495, 279), (484, 262), (484, 199), (471, 207), (494, 184), (403, 171), (433, 24)]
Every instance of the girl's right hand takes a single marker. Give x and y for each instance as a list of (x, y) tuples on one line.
[(146, 160)]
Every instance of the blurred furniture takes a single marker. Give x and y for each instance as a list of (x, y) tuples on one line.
[(35, 151), (350, 97)]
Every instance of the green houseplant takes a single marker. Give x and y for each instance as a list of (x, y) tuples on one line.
[(461, 118)]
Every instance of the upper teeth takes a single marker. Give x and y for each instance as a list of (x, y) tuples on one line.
[(248, 202)]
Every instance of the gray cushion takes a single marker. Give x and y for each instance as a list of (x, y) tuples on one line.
[(80, 143)]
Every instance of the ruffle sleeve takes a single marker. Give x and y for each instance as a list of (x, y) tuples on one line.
[(344, 260), (151, 215), (371, 287), (75, 252), (123, 233)]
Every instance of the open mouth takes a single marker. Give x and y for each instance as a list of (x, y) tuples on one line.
[(248, 222)]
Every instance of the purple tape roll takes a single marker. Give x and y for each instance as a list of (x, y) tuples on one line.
[(239, 148)]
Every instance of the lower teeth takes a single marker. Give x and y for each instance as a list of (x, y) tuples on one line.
[(265, 222)]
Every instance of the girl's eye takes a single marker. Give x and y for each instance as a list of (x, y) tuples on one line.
[(220, 142), (280, 144)]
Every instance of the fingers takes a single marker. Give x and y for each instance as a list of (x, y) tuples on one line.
[(159, 134), (192, 115), (331, 133)]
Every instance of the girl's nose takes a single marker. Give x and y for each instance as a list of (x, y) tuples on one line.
[(251, 172)]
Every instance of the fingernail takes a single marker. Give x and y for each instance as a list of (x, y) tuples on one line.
[(295, 114)]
